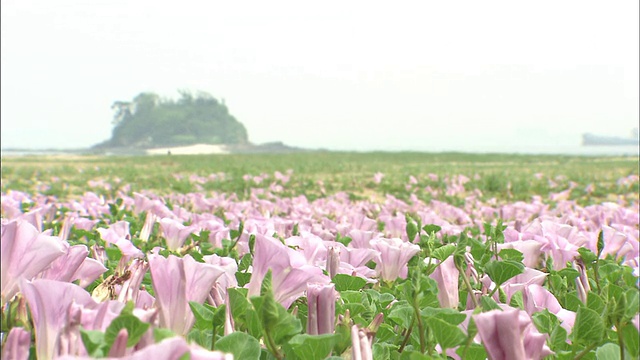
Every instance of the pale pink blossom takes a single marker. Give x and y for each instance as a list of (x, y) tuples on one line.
[(25, 252), (321, 300), (509, 334), (176, 281), (290, 271), (17, 344), (394, 257), (447, 276)]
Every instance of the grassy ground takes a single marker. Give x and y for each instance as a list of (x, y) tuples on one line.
[(505, 177)]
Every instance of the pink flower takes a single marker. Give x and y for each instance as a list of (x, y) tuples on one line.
[(360, 345), (118, 234), (519, 282), (377, 177), (177, 281), (321, 300), (175, 233), (509, 334), (530, 249), (168, 349), (290, 271), (74, 265), (25, 252), (226, 280), (130, 289), (17, 345), (149, 221), (447, 275), (49, 317), (537, 298), (394, 256), (332, 264)]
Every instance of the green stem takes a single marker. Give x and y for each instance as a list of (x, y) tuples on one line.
[(418, 318), (466, 347), (494, 290), (407, 336), (271, 345), (467, 284), (620, 339), (596, 277), (585, 351)]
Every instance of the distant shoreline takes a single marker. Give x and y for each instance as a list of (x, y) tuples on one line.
[(279, 148)]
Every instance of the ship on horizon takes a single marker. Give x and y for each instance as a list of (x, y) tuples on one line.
[(589, 139)]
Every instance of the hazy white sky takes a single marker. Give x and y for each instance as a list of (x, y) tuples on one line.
[(353, 75)]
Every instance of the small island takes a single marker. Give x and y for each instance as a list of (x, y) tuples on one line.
[(196, 123), (149, 121)]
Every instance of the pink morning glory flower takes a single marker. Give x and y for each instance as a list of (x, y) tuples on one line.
[(509, 334), (447, 275), (289, 269), (25, 252), (177, 281), (17, 345), (49, 317), (394, 256), (321, 300)]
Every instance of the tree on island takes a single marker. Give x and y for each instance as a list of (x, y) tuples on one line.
[(149, 121)]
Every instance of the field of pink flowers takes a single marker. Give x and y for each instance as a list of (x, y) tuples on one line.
[(436, 269)]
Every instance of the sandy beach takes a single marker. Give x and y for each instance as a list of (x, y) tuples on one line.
[(190, 150)]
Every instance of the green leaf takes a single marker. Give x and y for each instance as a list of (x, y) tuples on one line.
[(203, 338), (312, 346), (474, 352), (275, 319), (382, 350), (608, 351), (414, 355), (631, 297), (511, 254), (631, 339), (344, 337), (243, 313), (587, 255), (94, 343), (346, 282), (160, 334), (344, 240), (446, 334), (572, 301), (385, 333), (245, 262), (600, 244), (203, 314), (431, 229), (402, 315), (569, 273), (243, 278), (488, 303), (558, 337), (544, 321), (451, 316), (588, 327), (595, 302), (501, 271), (412, 229), (240, 344), (443, 252), (517, 300), (135, 328)]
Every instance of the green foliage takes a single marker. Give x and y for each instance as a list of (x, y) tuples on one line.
[(241, 345), (501, 271), (149, 121), (348, 282)]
